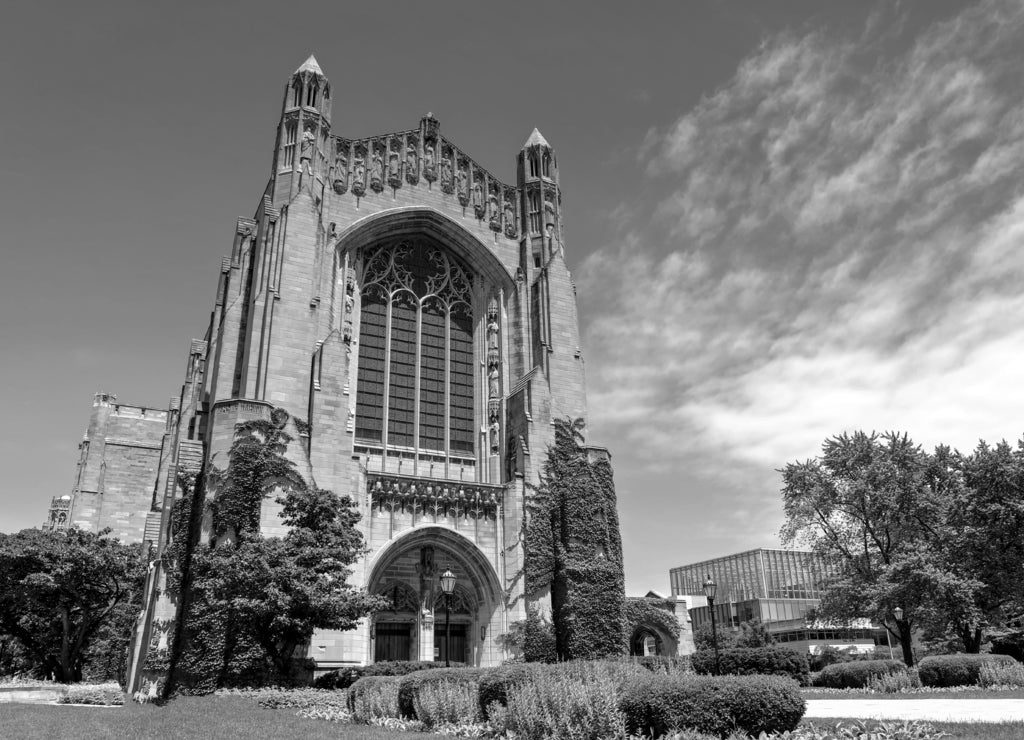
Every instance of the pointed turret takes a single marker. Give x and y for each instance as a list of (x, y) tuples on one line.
[(535, 138), (303, 142), (542, 199), (310, 65)]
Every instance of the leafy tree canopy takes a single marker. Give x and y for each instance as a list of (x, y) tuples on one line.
[(59, 590)]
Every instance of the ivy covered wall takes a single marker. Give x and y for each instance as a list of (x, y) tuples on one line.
[(574, 548)]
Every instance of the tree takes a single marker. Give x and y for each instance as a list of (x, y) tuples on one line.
[(875, 507), (984, 542), (750, 634), (255, 600), (58, 590)]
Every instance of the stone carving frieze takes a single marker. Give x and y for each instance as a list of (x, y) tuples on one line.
[(460, 499)]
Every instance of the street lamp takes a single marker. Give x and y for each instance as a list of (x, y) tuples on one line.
[(710, 590), (448, 586)]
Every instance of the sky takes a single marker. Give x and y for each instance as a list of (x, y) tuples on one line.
[(785, 219)]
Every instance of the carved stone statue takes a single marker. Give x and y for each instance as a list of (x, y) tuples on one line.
[(493, 207), (463, 179), (494, 431), (493, 383), (377, 172), (510, 219), (429, 166), (394, 170), (359, 175), (478, 200), (340, 180), (411, 161), (447, 183), (308, 139)]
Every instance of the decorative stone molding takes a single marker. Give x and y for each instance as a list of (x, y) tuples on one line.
[(408, 493)]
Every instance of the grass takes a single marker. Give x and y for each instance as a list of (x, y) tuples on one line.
[(966, 693), (186, 718), (955, 730)]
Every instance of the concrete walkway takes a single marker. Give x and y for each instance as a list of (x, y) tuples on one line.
[(939, 710)]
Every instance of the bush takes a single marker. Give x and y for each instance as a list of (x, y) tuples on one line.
[(962, 669), (856, 674), (570, 700), (496, 682), (895, 683), (763, 661), (998, 673), (104, 694), (716, 705), (667, 664), (446, 702), (410, 684), (342, 678), (339, 679), (374, 697)]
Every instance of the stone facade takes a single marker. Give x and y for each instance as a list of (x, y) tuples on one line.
[(116, 477), (415, 318)]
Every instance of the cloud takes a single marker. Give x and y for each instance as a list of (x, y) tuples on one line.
[(837, 243)]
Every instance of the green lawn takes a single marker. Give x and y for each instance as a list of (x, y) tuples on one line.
[(955, 730), (186, 718), (967, 693)]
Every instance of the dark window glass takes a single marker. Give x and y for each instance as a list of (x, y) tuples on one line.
[(461, 411), (432, 372), (401, 383), (370, 399)]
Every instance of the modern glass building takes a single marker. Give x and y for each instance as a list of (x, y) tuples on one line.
[(777, 587)]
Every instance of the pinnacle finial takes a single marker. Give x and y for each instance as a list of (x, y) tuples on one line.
[(536, 138), (310, 65)]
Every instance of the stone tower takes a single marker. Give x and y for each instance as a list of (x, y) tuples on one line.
[(414, 317)]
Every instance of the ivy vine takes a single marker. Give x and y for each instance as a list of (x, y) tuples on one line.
[(574, 548)]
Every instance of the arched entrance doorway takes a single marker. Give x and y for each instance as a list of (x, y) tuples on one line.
[(407, 571)]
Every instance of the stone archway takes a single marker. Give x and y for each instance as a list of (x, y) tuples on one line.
[(647, 639), (410, 566)]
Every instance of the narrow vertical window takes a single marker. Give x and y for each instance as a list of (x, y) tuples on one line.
[(296, 94), (534, 209), (289, 144), (533, 164), (547, 165), (372, 337)]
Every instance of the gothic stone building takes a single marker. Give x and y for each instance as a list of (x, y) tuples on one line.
[(415, 318)]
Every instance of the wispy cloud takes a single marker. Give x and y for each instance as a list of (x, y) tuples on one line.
[(837, 243)]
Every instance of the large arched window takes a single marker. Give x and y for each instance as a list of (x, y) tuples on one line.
[(415, 382)]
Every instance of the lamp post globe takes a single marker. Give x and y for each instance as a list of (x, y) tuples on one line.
[(447, 587), (710, 591)]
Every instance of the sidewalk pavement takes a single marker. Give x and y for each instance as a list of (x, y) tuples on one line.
[(938, 710)]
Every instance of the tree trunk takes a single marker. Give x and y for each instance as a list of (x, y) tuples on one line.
[(971, 637), (905, 642)]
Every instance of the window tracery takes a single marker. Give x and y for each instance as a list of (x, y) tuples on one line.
[(416, 338)]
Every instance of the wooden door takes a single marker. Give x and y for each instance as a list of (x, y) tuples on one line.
[(393, 642)]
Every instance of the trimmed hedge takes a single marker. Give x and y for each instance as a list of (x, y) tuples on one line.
[(342, 678), (715, 705), (762, 661), (410, 684), (495, 683), (856, 674), (962, 669)]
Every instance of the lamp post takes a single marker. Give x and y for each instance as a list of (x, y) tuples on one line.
[(710, 590), (447, 586), (897, 614)]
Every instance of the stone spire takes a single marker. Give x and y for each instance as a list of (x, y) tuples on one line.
[(535, 138), (310, 65)]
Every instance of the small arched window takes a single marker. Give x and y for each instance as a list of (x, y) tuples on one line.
[(533, 164), (547, 165), (296, 94)]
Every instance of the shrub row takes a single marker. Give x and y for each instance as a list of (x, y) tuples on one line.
[(763, 661), (345, 677), (961, 669), (855, 674), (715, 705), (572, 699)]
